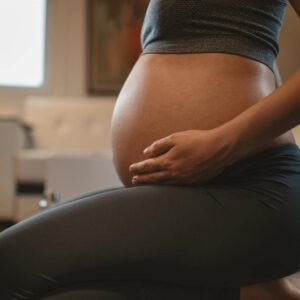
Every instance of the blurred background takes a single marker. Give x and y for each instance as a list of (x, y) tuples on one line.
[(62, 64)]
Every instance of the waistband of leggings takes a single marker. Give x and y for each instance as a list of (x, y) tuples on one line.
[(278, 149), (282, 150)]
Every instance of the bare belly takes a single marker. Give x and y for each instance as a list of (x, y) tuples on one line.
[(164, 94)]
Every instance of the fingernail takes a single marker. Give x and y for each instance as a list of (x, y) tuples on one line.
[(134, 179), (147, 150)]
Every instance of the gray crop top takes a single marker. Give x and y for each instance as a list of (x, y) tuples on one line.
[(244, 27)]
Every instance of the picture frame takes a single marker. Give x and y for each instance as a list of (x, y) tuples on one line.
[(114, 42)]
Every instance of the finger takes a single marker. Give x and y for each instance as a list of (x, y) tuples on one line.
[(156, 177), (160, 146), (149, 165)]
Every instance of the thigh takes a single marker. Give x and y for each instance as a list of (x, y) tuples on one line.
[(192, 236)]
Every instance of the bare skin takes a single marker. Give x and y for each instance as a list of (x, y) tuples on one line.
[(164, 94)]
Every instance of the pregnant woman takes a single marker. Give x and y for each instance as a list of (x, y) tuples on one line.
[(211, 210)]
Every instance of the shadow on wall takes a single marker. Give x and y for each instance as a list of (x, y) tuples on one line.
[(288, 58)]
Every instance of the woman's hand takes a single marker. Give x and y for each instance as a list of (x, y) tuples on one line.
[(186, 157)]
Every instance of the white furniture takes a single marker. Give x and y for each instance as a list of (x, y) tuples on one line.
[(69, 137), (12, 141), (74, 174)]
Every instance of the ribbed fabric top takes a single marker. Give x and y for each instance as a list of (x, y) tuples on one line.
[(244, 27)]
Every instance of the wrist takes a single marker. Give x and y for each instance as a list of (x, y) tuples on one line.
[(233, 143)]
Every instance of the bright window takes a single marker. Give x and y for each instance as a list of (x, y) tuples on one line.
[(22, 42)]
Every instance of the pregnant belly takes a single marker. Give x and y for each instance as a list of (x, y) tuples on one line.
[(164, 94)]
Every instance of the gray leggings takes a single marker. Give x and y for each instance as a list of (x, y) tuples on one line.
[(160, 242)]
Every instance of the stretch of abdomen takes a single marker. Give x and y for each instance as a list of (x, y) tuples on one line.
[(166, 93)]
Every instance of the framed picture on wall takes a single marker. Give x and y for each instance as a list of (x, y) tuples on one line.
[(114, 28)]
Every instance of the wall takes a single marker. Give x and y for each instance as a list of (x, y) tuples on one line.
[(289, 58)]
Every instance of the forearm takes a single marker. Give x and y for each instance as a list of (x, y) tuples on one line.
[(267, 119)]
